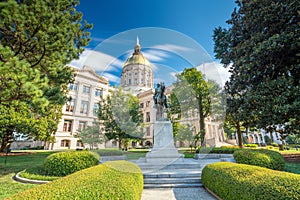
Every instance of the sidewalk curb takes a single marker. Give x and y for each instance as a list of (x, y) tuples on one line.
[(25, 180)]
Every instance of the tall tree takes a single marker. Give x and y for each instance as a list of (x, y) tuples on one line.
[(91, 135), (185, 134), (121, 115), (37, 40), (262, 43), (192, 93)]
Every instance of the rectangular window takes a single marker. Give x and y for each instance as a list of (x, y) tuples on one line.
[(65, 143), (67, 126), (84, 107), (73, 86), (147, 103), (96, 109), (70, 105), (142, 105), (98, 93), (82, 125), (148, 131), (86, 89), (147, 116)]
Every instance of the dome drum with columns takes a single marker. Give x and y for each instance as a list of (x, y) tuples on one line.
[(137, 73)]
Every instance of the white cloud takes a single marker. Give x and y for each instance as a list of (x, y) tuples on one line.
[(171, 47), (173, 74), (111, 77), (98, 60), (154, 67), (155, 55), (215, 71)]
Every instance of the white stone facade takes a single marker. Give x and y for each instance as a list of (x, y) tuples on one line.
[(81, 110)]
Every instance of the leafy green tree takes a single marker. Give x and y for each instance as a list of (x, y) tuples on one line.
[(185, 134), (121, 115), (91, 135), (262, 47), (37, 40), (193, 94), (174, 113)]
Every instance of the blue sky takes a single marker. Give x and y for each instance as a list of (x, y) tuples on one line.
[(174, 34)]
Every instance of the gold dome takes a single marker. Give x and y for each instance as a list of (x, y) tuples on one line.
[(137, 57)]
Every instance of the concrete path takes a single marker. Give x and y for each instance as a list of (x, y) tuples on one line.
[(189, 193), (177, 194)]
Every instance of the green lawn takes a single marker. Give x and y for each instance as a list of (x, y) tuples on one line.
[(135, 154), (15, 164)]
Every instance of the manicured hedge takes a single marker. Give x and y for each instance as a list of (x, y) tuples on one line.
[(231, 181), (261, 157), (64, 163), (109, 181), (218, 150)]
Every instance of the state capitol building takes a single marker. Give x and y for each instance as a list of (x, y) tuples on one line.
[(89, 89)]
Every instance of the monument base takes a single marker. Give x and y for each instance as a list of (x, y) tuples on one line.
[(164, 150)]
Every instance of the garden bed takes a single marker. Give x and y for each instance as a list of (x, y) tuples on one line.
[(16, 153)]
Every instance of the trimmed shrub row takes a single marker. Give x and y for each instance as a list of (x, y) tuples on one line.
[(260, 157), (218, 150), (239, 181), (65, 163), (112, 180)]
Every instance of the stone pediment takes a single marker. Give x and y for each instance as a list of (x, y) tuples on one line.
[(89, 72)]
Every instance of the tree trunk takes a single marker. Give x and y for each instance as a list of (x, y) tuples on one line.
[(239, 133), (6, 141), (202, 130), (120, 143)]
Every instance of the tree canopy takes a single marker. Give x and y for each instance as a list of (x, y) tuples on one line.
[(121, 115), (261, 46), (37, 39), (92, 135), (194, 95)]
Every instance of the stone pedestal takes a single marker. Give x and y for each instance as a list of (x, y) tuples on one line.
[(163, 150)]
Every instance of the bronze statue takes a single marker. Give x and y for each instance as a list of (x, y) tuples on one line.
[(160, 100)]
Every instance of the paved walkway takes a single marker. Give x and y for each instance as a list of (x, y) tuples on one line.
[(177, 194), (196, 193)]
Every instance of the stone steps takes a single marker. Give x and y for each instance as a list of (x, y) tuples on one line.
[(172, 180), (151, 186), (174, 166), (173, 175)]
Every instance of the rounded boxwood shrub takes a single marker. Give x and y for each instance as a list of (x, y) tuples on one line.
[(109, 181), (64, 163), (260, 157), (234, 181)]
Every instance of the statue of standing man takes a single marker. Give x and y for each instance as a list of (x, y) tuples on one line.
[(160, 100)]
